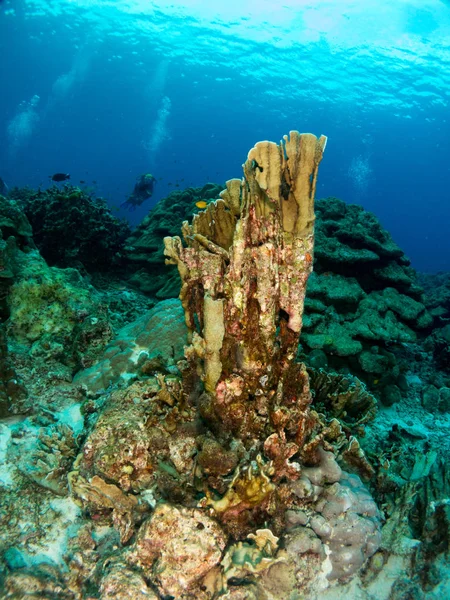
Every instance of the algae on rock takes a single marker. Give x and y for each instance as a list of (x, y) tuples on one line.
[(244, 275)]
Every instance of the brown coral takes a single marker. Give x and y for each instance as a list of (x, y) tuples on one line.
[(344, 397), (244, 274)]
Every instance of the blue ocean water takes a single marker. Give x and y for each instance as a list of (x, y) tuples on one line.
[(109, 89)]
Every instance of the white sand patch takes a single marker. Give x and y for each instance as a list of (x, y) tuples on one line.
[(52, 548), (72, 417)]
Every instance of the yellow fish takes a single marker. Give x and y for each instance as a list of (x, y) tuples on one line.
[(201, 204)]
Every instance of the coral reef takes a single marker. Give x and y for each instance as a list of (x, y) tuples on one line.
[(345, 519), (144, 250), (343, 397), (120, 582), (56, 322), (439, 344), (12, 390), (244, 275), (56, 312), (57, 448), (15, 233), (362, 300), (229, 433), (177, 547), (44, 299), (53, 309), (407, 445), (125, 304), (437, 296), (13, 221), (230, 470), (151, 343), (96, 239), (437, 300), (330, 536)]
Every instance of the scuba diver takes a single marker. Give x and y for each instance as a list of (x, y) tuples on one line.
[(143, 190)]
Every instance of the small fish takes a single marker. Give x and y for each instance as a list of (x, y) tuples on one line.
[(58, 177), (201, 204), (82, 181)]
